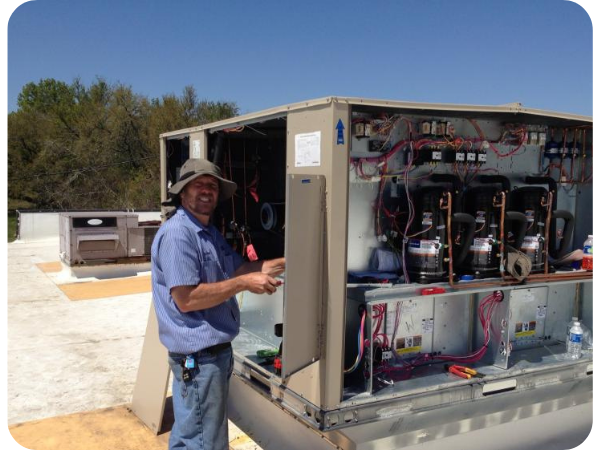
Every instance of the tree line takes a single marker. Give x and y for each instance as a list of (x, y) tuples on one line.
[(72, 146)]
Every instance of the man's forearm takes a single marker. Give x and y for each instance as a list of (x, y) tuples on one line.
[(272, 267), (207, 295), (249, 267)]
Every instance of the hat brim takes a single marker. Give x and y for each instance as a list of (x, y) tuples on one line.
[(226, 188)]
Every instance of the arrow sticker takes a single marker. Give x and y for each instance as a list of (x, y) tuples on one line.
[(340, 129)]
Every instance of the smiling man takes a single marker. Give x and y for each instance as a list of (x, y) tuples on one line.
[(195, 277)]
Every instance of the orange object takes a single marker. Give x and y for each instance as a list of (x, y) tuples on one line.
[(462, 371)]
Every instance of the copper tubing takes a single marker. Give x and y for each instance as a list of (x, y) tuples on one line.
[(560, 276), (507, 280), (449, 238), (448, 208), (562, 154), (540, 278), (548, 205), (502, 206), (459, 287)]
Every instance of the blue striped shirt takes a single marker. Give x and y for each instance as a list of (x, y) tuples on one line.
[(187, 253)]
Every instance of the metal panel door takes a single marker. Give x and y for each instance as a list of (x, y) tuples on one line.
[(303, 289)]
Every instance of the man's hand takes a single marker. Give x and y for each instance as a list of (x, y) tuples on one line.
[(274, 267), (260, 283)]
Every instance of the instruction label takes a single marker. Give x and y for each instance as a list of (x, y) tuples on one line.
[(308, 149), (541, 312), (196, 149), (427, 326)]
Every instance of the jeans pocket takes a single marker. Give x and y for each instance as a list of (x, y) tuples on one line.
[(230, 371)]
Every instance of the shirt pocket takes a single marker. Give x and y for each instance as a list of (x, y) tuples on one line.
[(229, 265), (210, 271)]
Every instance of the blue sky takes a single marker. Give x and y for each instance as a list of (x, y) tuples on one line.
[(262, 54)]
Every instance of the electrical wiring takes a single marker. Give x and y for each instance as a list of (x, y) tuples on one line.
[(563, 171), (398, 313), (417, 233), (486, 311), (521, 131), (399, 174), (378, 316), (481, 227), (361, 344), (411, 213), (234, 129)]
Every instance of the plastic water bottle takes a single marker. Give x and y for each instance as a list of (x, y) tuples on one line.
[(575, 341), (588, 254), (569, 325)]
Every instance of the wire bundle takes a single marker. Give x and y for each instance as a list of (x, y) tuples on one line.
[(361, 344), (485, 311)]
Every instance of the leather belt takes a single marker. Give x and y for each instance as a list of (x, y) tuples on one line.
[(216, 349)]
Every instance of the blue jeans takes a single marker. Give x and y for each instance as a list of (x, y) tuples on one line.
[(200, 404)]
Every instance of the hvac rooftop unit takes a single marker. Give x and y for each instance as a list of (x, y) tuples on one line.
[(102, 236)]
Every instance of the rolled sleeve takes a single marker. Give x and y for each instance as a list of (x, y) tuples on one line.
[(179, 259)]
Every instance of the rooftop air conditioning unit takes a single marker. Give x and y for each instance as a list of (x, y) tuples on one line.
[(103, 236)]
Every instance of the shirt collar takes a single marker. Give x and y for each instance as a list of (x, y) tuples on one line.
[(197, 224)]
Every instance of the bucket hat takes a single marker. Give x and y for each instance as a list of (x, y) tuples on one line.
[(193, 168)]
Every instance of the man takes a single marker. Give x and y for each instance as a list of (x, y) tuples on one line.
[(195, 277)]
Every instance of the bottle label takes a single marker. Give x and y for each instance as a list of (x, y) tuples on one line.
[(575, 338), (588, 249)]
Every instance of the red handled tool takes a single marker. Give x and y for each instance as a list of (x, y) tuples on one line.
[(462, 371)]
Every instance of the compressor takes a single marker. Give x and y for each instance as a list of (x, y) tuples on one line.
[(539, 206), (489, 207), (427, 250)]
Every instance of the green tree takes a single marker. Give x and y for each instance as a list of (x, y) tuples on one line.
[(76, 147)]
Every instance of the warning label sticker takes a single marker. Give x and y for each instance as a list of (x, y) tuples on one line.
[(523, 329), (480, 217), (408, 344)]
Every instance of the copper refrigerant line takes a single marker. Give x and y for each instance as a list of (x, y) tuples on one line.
[(582, 158), (507, 280)]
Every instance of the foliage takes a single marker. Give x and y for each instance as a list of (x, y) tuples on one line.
[(72, 146), (12, 226)]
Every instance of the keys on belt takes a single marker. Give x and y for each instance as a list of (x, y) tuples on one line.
[(189, 363)]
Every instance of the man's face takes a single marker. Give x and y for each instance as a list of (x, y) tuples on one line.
[(200, 196)]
